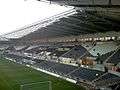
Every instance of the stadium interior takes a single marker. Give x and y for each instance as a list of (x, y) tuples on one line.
[(81, 45)]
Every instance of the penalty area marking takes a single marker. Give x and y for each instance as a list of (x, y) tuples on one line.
[(50, 84)]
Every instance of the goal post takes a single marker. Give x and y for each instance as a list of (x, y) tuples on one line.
[(46, 85)]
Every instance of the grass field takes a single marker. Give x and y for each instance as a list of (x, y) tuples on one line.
[(13, 75)]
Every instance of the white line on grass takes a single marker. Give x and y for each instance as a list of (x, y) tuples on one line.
[(50, 84)]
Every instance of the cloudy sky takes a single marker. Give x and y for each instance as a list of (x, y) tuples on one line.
[(18, 13)]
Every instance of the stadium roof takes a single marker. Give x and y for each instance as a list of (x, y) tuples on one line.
[(87, 3), (37, 25), (3, 39), (74, 22), (80, 23)]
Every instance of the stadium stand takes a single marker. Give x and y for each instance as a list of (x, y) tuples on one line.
[(3, 47), (84, 35), (103, 48), (23, 49), (115, 58), (17, 48), (108, 80), (104, 56), (86, 74), (76, 52), (76, 73), (107, 76), (88, 45)]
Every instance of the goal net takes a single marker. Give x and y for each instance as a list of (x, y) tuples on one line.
[(47, 85)]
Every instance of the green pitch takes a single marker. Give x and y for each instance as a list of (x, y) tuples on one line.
[(13, 75)]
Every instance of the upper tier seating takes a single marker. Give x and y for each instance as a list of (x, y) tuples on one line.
[(104, 56), (76, 52), (103, 48), (115, 58)]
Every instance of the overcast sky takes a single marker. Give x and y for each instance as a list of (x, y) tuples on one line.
[(18, 13)]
